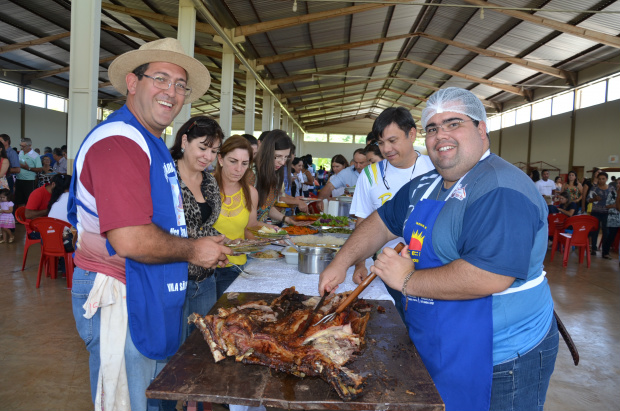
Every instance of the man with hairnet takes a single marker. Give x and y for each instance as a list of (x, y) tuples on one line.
[(477, 304)]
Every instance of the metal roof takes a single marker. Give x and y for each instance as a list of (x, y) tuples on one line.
[(443, 43)]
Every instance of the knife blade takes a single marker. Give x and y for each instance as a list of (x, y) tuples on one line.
[(311, 316)]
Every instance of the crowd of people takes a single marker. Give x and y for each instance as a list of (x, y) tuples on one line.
[(153, 248), (595, 196)]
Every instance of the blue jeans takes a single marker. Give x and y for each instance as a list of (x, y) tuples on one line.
[(521, 384), (140, 369), (87, 328), (199, 298), (224, 277)]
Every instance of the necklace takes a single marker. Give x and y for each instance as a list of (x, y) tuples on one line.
[(440, 190)]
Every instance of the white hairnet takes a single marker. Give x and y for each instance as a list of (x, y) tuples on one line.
[(456, 100)]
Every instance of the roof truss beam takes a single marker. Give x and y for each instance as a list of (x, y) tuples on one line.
[(330, 98), (328, 88), (279, 58), (162, 18), (552, 71), (23, 45), (307, 76), (587, 34), (263, 27), (503, 87)]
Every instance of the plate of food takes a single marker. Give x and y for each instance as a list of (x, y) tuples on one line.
[(267, 232), (305, 217), (266, 255), (300, 230), (338, 230), (282, 204), (329, 220)]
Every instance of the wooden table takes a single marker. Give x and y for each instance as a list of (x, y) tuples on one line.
[(398, 379)]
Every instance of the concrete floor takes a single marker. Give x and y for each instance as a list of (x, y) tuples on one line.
[(44, 365)]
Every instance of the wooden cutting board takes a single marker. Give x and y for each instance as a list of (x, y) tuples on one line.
[(398, 380)]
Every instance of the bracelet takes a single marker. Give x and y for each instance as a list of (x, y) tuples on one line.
[(404, 290)]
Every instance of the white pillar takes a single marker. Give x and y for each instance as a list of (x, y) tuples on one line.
[(285, 124), (83, 77), (267, 112), (186, 34), (226, 94), (250, 101), (277, 113), (228, 77)]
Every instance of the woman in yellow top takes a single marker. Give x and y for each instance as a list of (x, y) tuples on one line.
[(239, 201)]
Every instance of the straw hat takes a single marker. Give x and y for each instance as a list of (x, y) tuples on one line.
[(167, 50)]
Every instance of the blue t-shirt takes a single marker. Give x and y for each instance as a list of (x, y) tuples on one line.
[(498, 223)]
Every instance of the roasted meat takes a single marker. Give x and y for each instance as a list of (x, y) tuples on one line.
[(267, 334)]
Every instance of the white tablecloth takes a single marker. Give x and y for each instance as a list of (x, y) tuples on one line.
[(273, 276)]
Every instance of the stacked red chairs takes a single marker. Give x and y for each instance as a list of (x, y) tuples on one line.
[(556, 227), (52, 247), (20, 216), (582, 226)]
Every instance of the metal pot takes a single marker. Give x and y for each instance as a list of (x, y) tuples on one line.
[(313, 260), (344, 206)]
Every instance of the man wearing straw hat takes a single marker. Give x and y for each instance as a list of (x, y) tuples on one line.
[(132, 252)]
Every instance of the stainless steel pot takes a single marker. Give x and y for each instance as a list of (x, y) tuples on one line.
[(313, 260)]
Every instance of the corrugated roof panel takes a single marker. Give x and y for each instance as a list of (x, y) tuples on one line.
[(605, 23), (477, 30), (368, 25), (560, 48), (402, 19), (447, 21), (520, 38), (451, 57), (481, 67), (565, 16), (514, 74), (425, 50)]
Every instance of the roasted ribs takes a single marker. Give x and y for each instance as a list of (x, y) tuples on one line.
[(267, 334)]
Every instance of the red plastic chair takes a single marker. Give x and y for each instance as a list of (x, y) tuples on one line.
[(556, 227), (582, 226), (20, 216), (52, 247)]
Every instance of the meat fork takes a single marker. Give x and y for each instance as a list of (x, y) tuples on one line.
[(355, 292)]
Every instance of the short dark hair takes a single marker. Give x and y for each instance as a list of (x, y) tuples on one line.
[(6, 138), (370, 137), (47, 150), (602, 173), (544, 171), (398, 115), (251, 139), (373, 148), (262, 136), (197, 127), (57, 152)]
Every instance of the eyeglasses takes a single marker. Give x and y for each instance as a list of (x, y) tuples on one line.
[(281, 158), (447, 127), (163, 83)]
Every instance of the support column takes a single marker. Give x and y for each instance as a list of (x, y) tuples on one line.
[(285, 125), (277, 112), (250, 101), (267, 112), (228, 77), (83, 77), (186, 34)]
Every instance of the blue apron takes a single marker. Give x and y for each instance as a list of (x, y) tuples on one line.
[(454, 338), (155, 292)]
